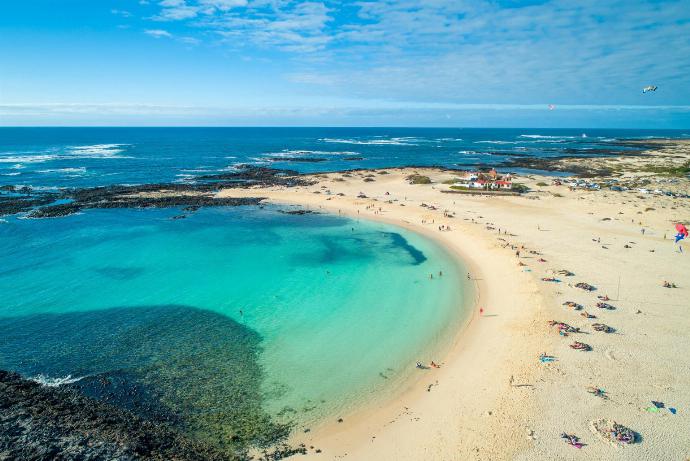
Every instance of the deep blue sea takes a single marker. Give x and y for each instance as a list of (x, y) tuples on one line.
[(72, 157), (234, 321)]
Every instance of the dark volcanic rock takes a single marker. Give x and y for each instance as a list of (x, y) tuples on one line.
[(189, 196), (252, 175), (54, 211), (52, 423), (297, 212), (13, 205), (554, 164), (189, 371), (299, 159)]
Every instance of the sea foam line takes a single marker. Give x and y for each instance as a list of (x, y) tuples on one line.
[(55, 382)]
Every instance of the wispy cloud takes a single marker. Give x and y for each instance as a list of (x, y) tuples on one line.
[(158, 33), (589, 51), (123, 13)]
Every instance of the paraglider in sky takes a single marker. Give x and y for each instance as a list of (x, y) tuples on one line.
[(649, 88), (682, 232), (551, 107)]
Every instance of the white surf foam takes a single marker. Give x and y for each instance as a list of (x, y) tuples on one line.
[(69, 171), (371, 142), (495, 142), (539, 136), (67, 153), (55, 382), (307, 153)]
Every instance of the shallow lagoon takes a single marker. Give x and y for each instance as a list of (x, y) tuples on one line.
[(230, 322)]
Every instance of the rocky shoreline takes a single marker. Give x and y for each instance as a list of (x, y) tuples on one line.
[(40, 423), (200, 194)]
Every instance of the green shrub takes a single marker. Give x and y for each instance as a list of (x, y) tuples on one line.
[(519, 188), (418, 179)]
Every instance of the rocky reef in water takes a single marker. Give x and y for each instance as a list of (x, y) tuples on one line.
[(557, 164), (298, 159), (145, 384), (39, 204), (48, 423)]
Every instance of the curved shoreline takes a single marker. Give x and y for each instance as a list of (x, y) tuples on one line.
[(391, 429)]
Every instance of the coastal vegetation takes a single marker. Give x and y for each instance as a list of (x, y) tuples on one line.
[(681, 170), (418, 179)]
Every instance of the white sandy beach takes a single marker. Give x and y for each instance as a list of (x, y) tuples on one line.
[(492, 397)]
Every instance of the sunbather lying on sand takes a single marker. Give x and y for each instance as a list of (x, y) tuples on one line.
[(585, 286), (577, 345), (597, 392), (572, 440), (605, 306), (602, 327), (603, 298)]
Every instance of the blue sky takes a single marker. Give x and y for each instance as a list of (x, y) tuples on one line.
[(369, 62)]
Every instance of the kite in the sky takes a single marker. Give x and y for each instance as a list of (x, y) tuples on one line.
[(649, 88), (682, 232)]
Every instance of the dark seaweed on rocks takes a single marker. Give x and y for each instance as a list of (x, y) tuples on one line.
[(52, 423), (193, 196), (14, 205), (554, 164), (298, 212), (53, 211), (148, 362), (298, 159)]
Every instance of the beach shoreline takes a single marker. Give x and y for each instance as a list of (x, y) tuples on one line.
[(467, 350), (493, 398)]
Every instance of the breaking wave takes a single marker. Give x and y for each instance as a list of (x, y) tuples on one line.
[(67, 153), (372, 142), (55, 382)]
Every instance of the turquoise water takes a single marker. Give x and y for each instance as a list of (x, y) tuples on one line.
[(298, 317)]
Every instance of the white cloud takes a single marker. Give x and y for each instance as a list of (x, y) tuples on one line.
[(176, 10), (123, 13), (559, 51), (223, 5), (158, 33)]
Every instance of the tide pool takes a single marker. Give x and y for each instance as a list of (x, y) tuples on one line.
[(231, 322)]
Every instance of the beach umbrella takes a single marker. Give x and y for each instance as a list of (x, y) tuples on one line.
[(682, 232)]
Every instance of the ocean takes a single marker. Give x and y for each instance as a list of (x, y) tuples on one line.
[(245, 320), (79, 157)]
